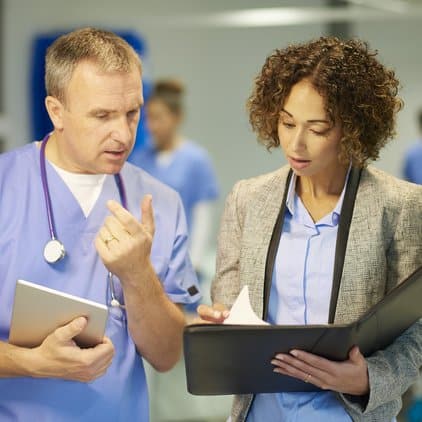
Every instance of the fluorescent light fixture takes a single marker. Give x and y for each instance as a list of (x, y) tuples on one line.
[(360, 10), (396, 6), (264, 17)]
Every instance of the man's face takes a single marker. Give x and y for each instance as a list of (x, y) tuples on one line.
[(99, 119)]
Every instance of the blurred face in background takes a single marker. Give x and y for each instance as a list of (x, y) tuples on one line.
[(162, 123)]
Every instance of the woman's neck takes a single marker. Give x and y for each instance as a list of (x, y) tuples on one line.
[(320, 186), (320, 195)]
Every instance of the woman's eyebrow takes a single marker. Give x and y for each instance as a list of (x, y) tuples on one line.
[(310, 121)]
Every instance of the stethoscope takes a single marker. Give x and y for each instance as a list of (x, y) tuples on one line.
[(54, 250)]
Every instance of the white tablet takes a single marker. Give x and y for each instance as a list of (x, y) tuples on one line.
[(39, 310)]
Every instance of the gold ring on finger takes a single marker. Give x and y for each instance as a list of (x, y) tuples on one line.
[(107, 241)]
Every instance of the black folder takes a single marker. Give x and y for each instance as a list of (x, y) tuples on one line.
[(235, 359)]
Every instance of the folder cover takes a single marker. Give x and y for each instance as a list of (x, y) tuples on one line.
[(235, 359)]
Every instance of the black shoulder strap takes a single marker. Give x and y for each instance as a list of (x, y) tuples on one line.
[(273, 247), (342, 236), (341, 243)]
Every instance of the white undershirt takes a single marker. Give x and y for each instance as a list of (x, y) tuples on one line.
[(86, 188)]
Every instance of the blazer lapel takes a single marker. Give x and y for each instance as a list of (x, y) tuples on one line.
[(273, 247), (255, 243), (342, 237), (364, 260)]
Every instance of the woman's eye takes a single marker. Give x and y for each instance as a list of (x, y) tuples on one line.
[(288, 125), (319, 133)]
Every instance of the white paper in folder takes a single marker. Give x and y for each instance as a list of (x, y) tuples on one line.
[(242, 313)]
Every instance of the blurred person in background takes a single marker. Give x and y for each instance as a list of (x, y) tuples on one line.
[(186, 167), (180, 163), (412, 169)]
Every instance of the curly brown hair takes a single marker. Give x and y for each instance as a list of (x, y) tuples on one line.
[(359, 92)]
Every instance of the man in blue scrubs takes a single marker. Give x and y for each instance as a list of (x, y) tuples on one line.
[(138, 233)]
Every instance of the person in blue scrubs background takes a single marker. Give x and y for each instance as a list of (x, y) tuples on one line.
[(186, 167), (133, 227), (331, 106), (412, 167), (179, 163)]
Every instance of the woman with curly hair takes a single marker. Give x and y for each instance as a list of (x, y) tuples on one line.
[(324, 238)]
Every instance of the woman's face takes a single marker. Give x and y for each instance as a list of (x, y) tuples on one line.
[(309, 140), (162, 123)]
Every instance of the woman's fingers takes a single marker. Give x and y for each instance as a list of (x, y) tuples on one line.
[(216, 313)]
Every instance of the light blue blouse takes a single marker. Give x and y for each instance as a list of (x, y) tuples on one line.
[(300, 294)]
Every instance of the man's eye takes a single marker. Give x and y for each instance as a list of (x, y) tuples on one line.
[(132, 113)]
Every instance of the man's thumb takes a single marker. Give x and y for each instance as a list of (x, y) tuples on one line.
[(68, 331)]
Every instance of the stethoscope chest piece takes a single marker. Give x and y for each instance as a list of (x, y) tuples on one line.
[(54, 251)]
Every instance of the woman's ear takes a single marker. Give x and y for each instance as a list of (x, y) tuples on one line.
[(55, 110)]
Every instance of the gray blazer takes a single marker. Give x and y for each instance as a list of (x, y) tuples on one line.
[(384, 247)]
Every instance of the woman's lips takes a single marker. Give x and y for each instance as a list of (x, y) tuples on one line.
[(298, 163)]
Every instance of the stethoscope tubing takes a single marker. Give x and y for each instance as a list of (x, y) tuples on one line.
[(50, 216), (48, 205)]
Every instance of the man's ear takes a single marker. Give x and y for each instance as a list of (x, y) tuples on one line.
[(55, 110)]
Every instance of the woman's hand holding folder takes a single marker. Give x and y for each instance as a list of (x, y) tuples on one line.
[(348, 377)]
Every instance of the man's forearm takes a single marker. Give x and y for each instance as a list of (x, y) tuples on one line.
[(155, 323), (14, 361)]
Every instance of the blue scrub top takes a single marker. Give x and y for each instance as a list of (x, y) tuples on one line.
[(190, 173), (121, 394)]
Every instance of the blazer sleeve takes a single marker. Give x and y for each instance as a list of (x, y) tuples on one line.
[(226, 284), (392, 370)]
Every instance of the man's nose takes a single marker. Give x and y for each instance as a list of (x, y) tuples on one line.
[(122, 130)]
